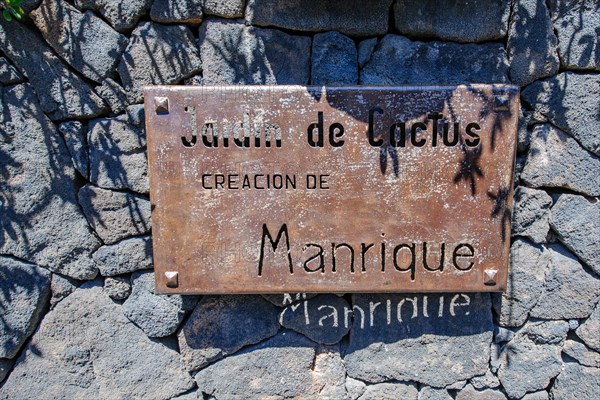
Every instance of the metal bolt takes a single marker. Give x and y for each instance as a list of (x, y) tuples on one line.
[(500, 103), (161, 105), (172, 279), (489, 276)]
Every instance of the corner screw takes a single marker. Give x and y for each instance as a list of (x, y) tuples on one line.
[(161, 105), (489, 277), (172, 279), (500, 103)]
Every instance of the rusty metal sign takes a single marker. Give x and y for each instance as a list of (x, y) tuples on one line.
[(268, 189)]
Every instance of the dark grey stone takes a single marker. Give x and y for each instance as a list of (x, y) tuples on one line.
[(470, 393), (224, 8), (123, 257), (438, 339), (285, 366), (86, 42), (62, 94), (282, 300), (576, 382), (576, 23), (9, 74), (582, 353), (334, 60), (157, 316), (61, 286), (352, 17), (365, 50), (113, 94), (117, 288), (157, 55), (531, 43), (118, 158), (41, 221), (115, 215), (569, 101), (182, 11), (76, 141), (458, 385), (528, 265), (502, 335), (398, 60), (320, 319), (24, 291), (391, 391), (541, 395), (123, 16), (531, 211), (588, 331), (221, 325), (6, 366), (85, 348), (479, 21), (135, 114), (524, 130), (569, 291), (556, 160), (532, 358), (429, 393), (575, 221), (487, 381), (235, 53)]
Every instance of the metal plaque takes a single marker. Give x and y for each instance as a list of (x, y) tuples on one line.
[(269, 189)]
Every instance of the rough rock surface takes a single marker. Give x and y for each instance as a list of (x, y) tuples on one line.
[(321, 319), (86, 348), (282, 300), (531, 211), (528, 264), (41, 220), (429, 393), (532, 358), (113, 94), (541, 395), (61, 287), (85, 41), (76, 141), (115, 215), (588, 331), (182, 11), (24, 291), (157, 316), (62, 94), (569, 291), (350, 17), (576, 23), (235, 53), (390, 391), (285, 366), (470, 393), (575, 221), (487, 381), (569, 101), (531, 43), (582, 354), (398, 60), (334, 60), (224, 8), (440, 339), (123, 16), (123, 257), (118, 158), (8, 73), (556, 160), (221, 325), (365, 50), (577, 382), (488, 20), (157, 55), (117, 288)]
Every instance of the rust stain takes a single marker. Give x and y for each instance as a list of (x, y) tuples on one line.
[(270, 189)]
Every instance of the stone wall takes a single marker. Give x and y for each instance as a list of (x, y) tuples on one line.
[(78, 316)]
